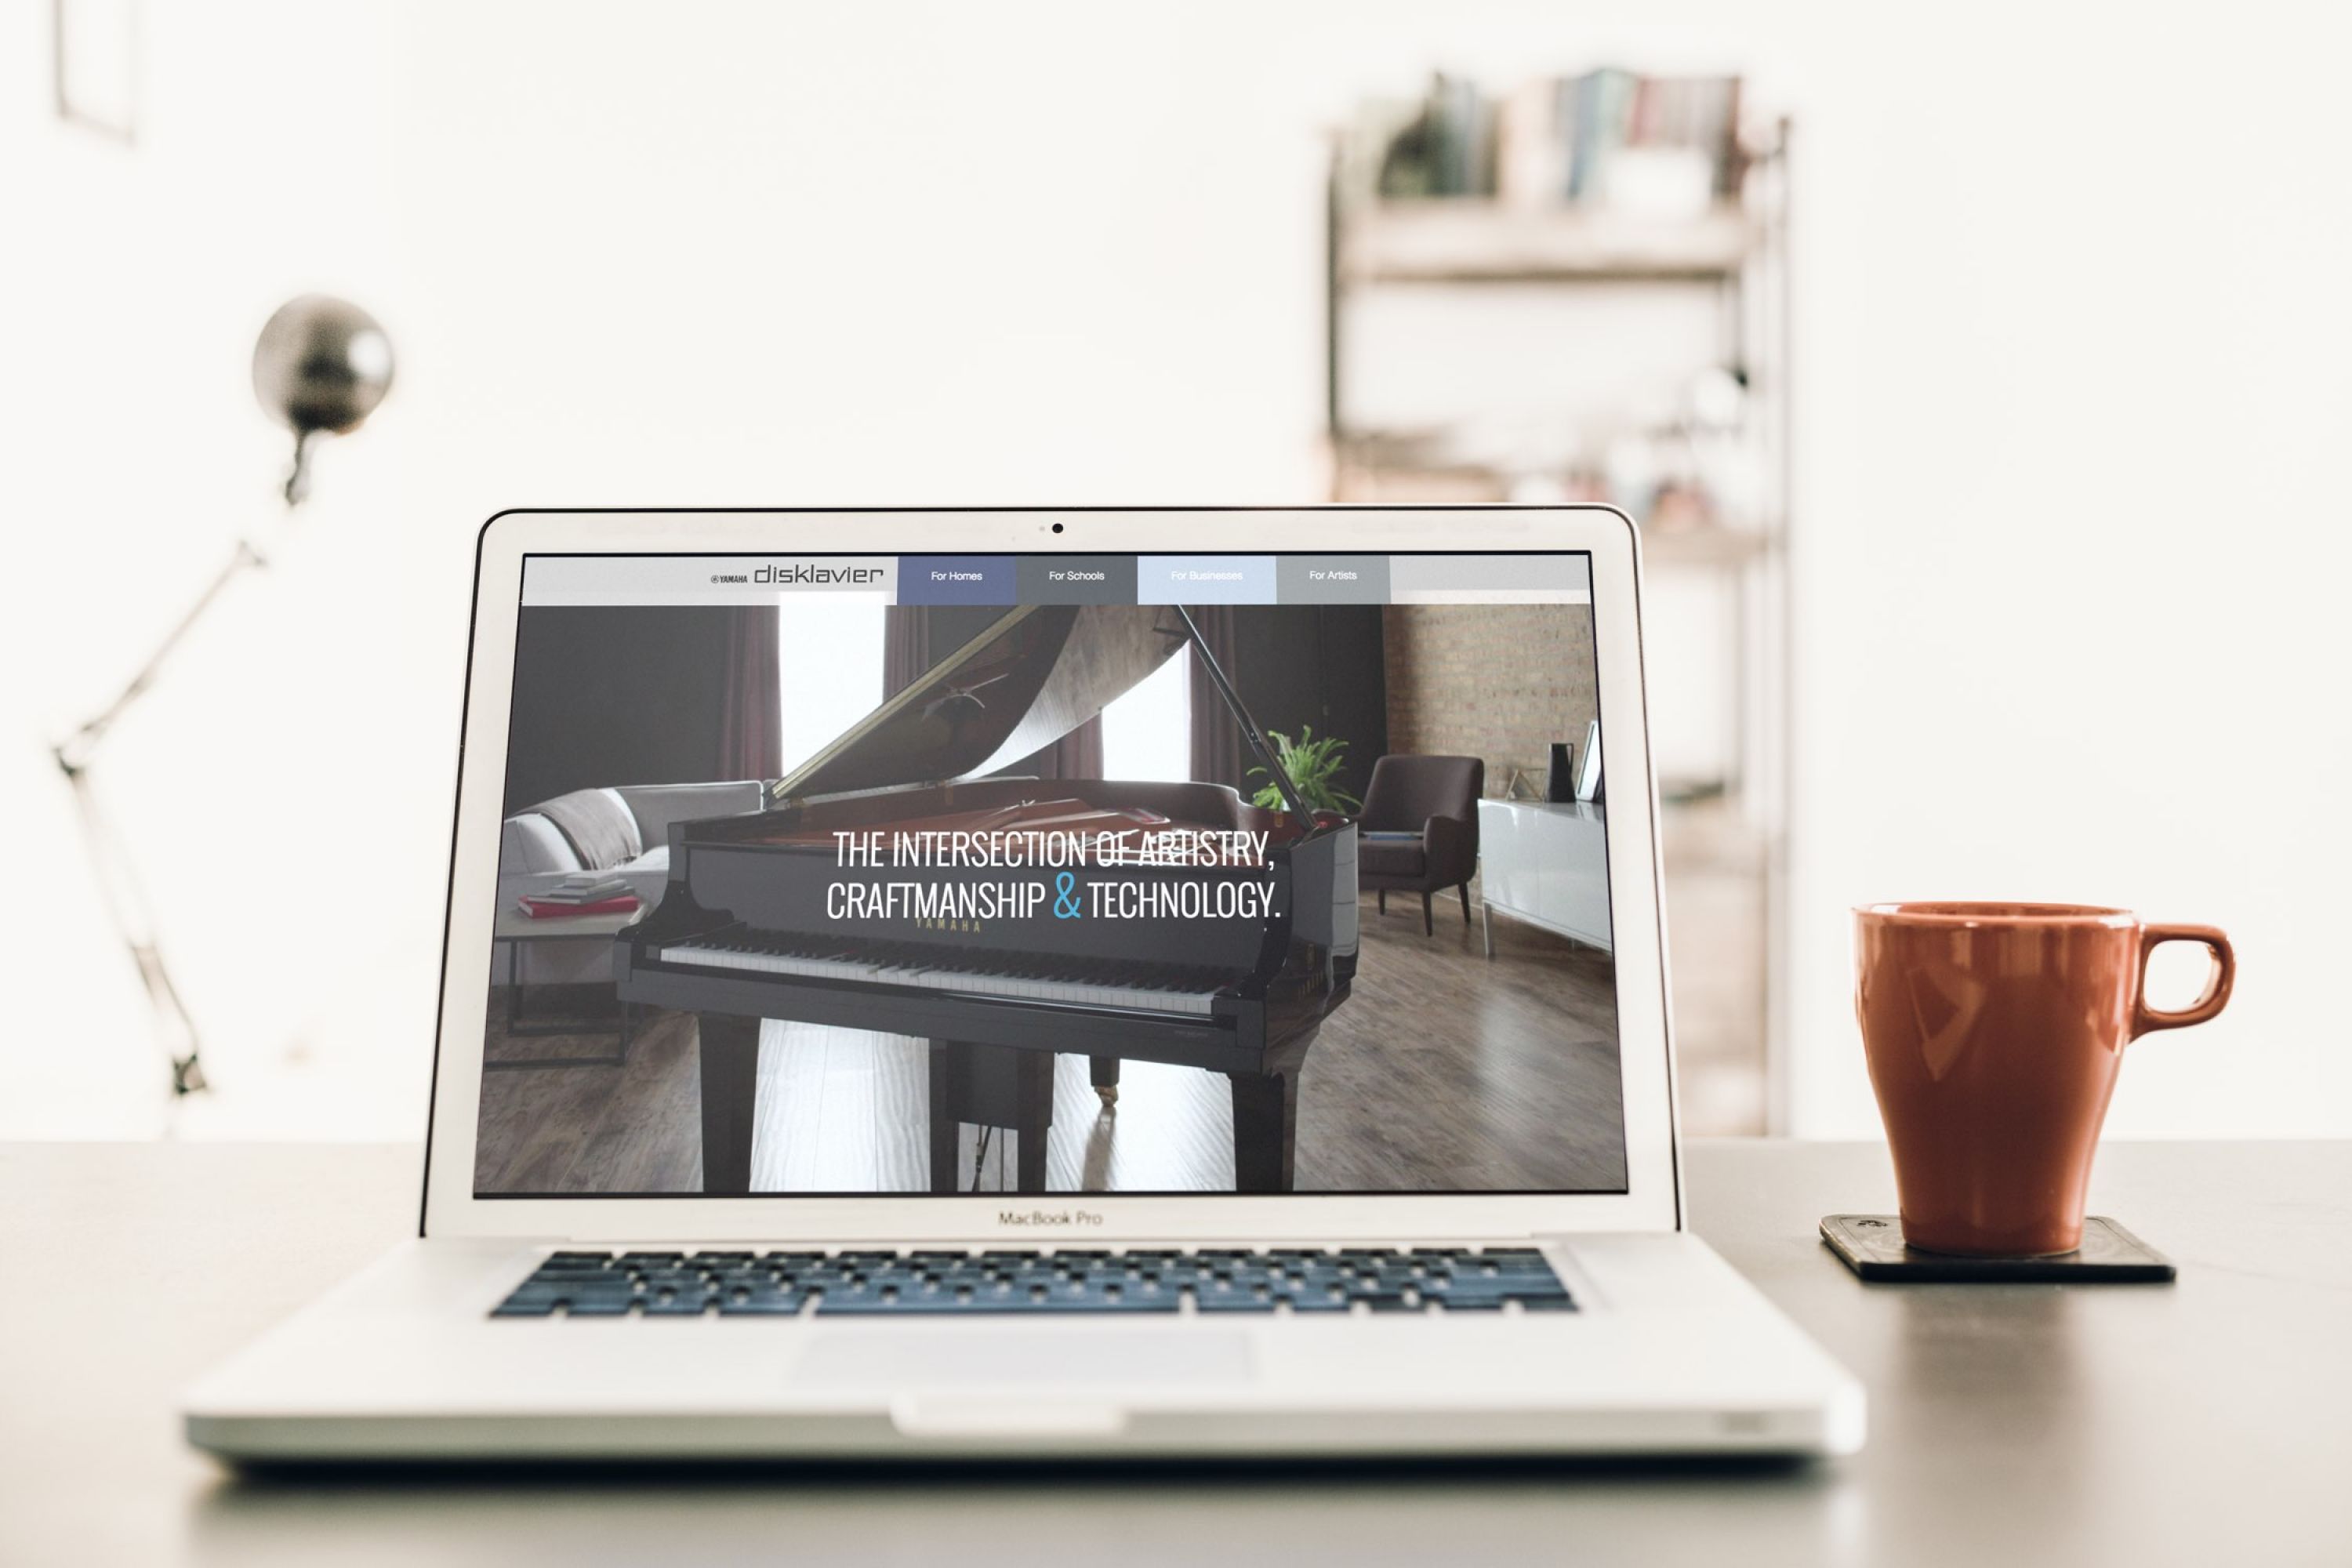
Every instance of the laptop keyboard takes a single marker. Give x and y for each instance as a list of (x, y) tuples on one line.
[(932, 1284)]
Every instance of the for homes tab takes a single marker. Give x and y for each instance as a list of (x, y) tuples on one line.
[(956, 580)]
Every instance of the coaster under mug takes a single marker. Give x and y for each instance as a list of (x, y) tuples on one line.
[(1872, 1245)]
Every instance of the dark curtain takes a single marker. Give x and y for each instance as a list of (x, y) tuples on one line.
[(1217, 749), (751, 721), (906, 647)]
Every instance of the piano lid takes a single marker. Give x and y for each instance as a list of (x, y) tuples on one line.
[(1036, 675)]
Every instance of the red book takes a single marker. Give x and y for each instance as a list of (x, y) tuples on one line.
[(549, 909)]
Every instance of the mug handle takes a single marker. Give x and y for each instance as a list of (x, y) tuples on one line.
[(2216, 994)]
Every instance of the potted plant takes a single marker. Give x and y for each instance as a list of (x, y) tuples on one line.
[(1312, 764)]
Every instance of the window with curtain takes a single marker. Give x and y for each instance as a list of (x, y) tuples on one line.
[(822, 635), (1148, 733)]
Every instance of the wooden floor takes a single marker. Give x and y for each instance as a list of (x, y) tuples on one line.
[(1444, 1071)]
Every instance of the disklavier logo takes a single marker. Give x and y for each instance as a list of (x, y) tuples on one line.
[(808, 574), (1034, 1218)]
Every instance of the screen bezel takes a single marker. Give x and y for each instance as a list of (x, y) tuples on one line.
[(1653, 1200)]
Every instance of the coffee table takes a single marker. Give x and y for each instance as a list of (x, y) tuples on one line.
[(518, 930)]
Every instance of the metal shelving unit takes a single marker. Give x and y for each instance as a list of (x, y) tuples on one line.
[(1726, 839)]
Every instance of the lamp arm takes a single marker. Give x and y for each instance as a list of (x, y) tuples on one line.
[(118, 887), (73, 753), (120, 891), (126, 905)]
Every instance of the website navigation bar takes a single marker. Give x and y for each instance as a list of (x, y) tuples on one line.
[(1305, 578)]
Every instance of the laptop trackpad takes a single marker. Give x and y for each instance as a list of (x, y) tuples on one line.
[(909, 1357)]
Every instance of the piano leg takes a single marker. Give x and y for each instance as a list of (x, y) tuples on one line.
[(1104, 1071), (1266, 1130), (729, 1050), (1035, 1089), (946, 1124), (990, 1086)]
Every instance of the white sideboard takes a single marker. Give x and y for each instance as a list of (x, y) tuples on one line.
[(1547, 865)]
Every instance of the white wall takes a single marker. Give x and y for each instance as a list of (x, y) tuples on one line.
[(2070, 320), (305, 735), (2070, 617)]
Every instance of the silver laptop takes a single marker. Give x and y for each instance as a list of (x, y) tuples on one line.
[(1075, 983)]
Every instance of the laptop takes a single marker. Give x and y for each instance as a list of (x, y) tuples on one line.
[(1030, 984)]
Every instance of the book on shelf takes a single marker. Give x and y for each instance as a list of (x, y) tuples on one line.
[(1663, 146)]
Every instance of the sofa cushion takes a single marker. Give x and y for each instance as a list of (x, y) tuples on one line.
[(599, 826), (1391, 857), (530, 843)]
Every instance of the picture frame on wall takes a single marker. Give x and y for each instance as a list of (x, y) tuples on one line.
[(95, 66)]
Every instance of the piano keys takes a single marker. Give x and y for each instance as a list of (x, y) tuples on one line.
[(755, 923), (1044, 977)]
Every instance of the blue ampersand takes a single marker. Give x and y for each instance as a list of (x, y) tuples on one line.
[(1066, 897)]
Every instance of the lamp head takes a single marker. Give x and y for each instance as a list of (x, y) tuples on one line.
[(321, 364)]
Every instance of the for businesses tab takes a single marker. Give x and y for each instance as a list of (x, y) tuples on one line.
[(1204, 580)]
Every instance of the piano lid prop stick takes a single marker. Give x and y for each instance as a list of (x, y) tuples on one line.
[(1273, 769)]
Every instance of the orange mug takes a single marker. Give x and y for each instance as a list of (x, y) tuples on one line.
[(1993, 1034)]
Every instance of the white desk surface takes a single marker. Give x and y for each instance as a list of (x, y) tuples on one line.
[(2208, 1423)]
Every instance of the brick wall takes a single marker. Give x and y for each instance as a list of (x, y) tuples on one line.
[(1498, 682)]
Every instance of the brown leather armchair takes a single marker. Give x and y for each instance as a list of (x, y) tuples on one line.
[(1435, 799)]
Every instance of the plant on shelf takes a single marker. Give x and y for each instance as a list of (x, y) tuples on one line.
[(1313, 764)]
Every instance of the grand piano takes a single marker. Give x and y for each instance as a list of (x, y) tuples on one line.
[(761, 918)]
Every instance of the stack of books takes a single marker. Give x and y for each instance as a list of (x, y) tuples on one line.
[(582, 893)]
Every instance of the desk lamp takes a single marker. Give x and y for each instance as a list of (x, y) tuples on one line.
[(321, 367)]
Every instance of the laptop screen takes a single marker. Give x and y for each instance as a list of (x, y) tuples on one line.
[(1149, 874)]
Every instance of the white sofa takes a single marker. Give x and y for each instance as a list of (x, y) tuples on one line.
[(529, 845)]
